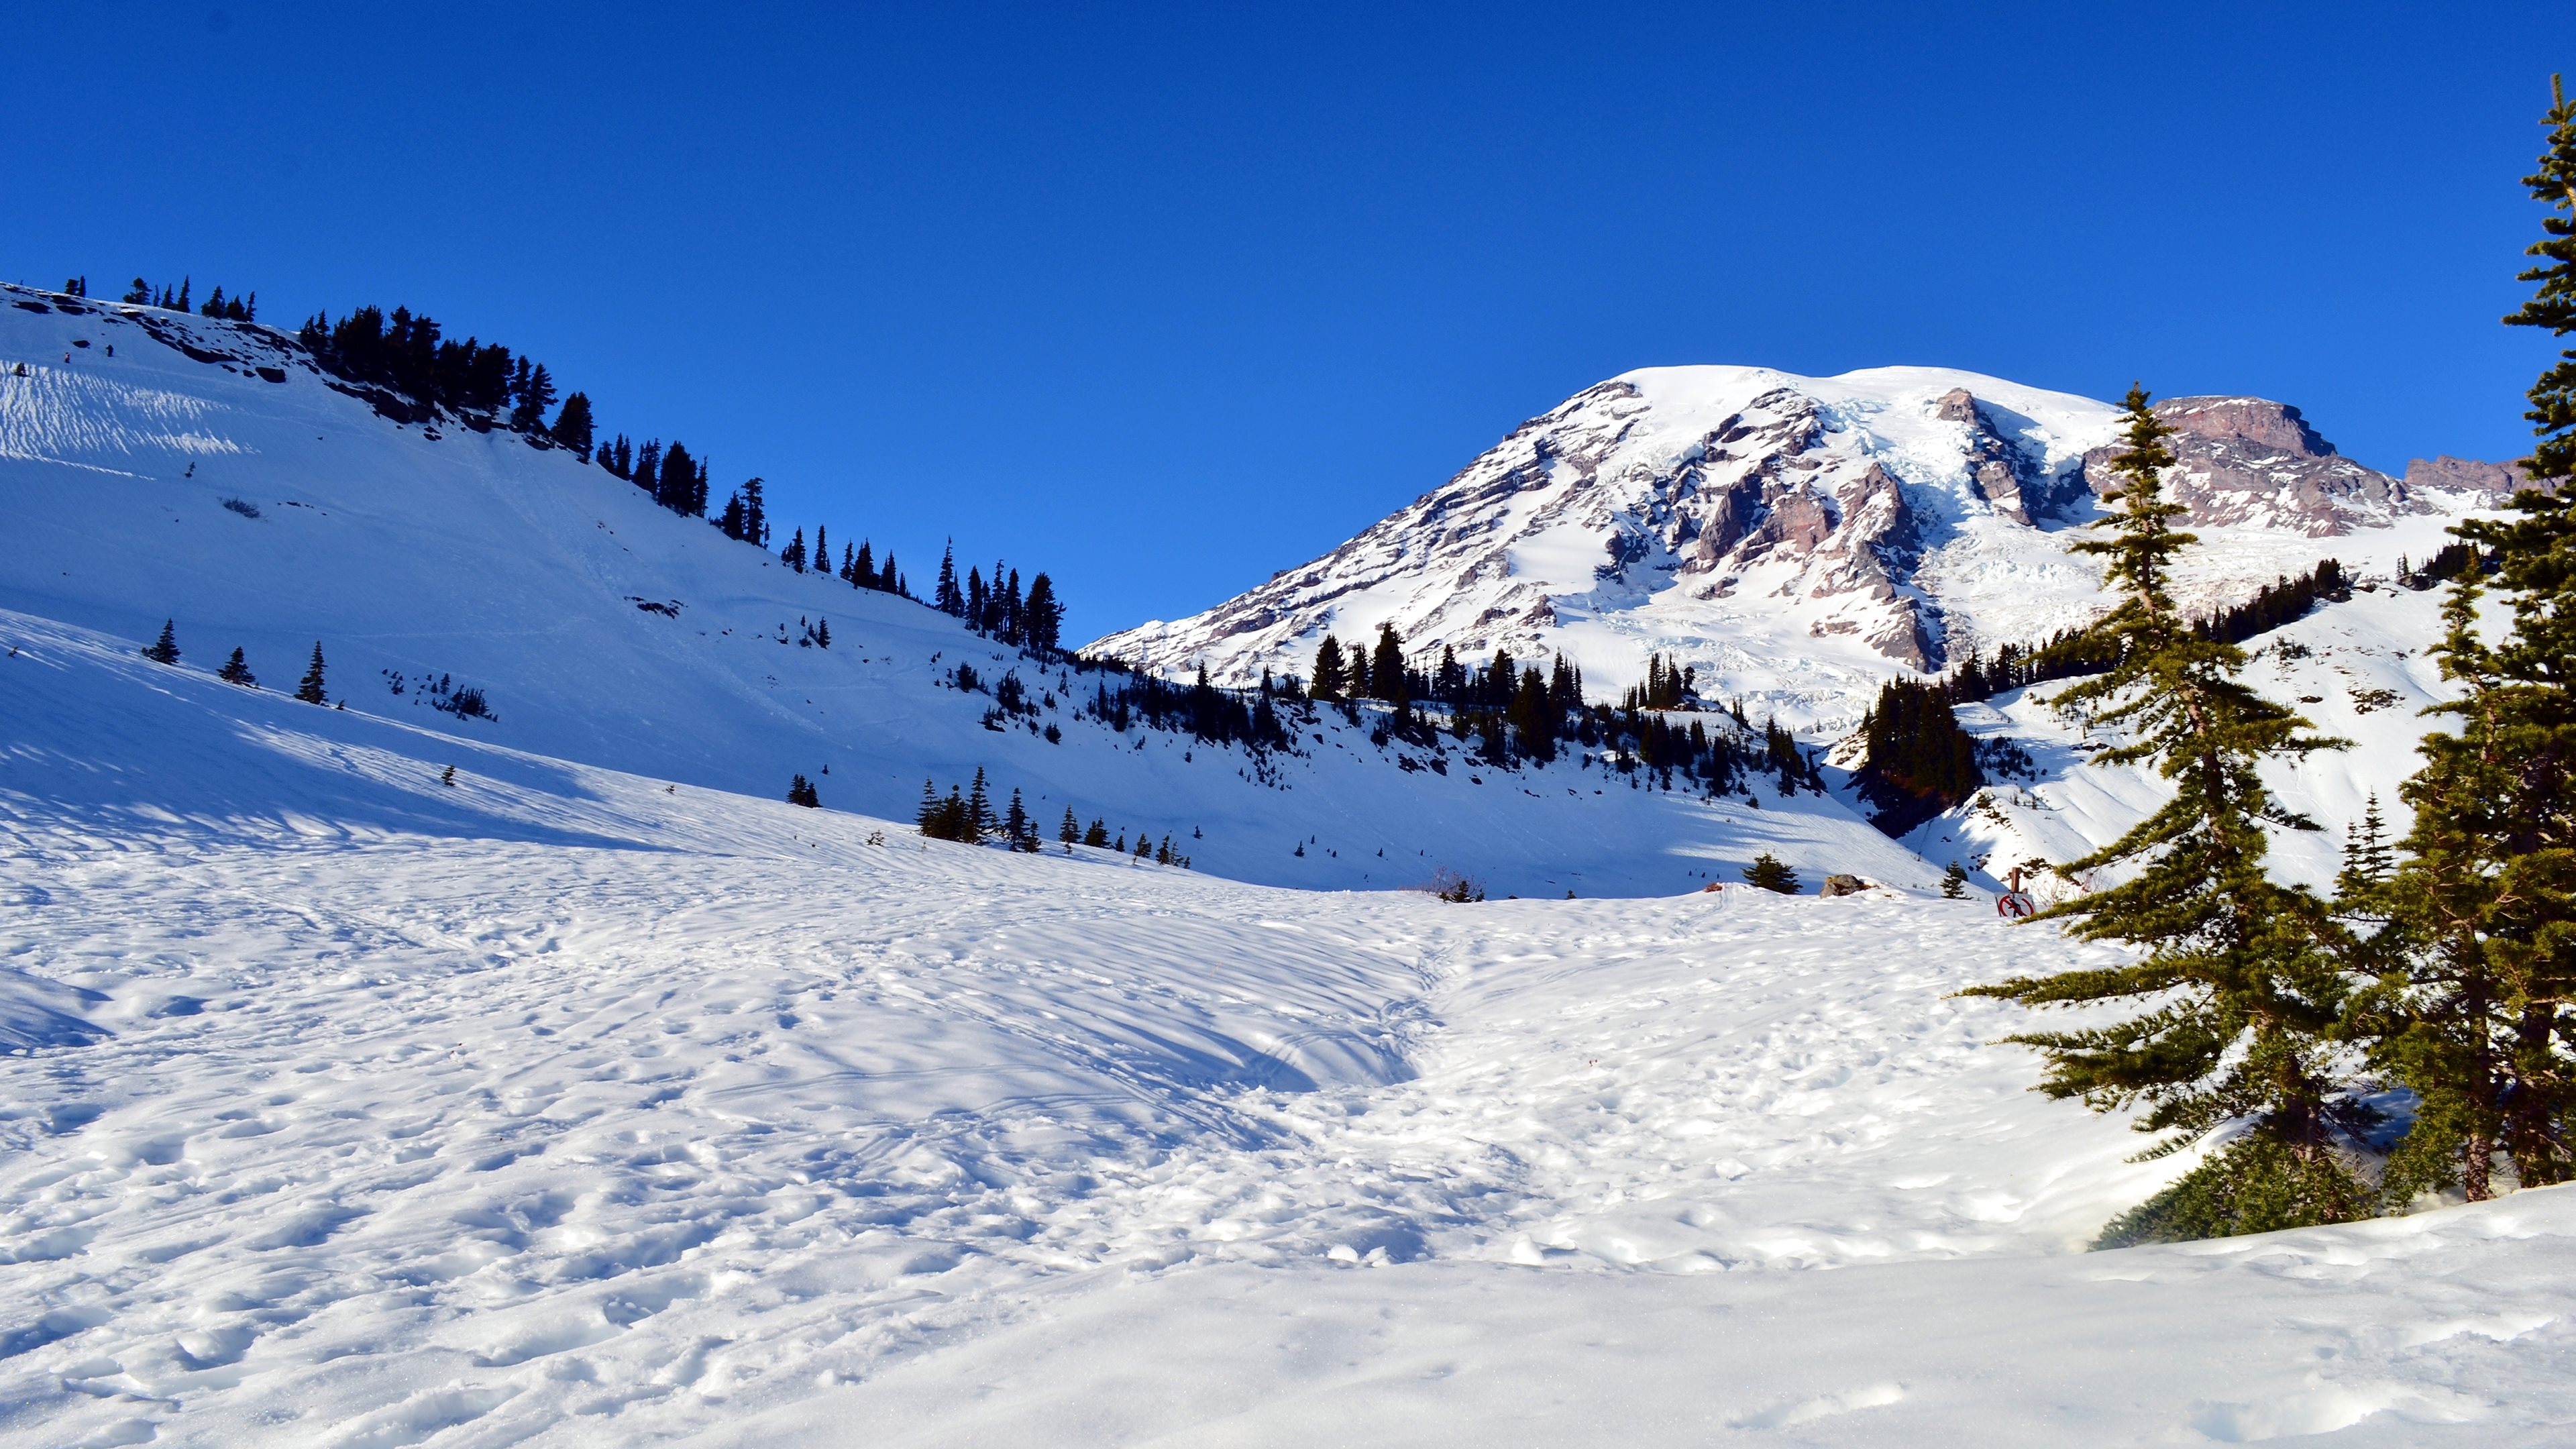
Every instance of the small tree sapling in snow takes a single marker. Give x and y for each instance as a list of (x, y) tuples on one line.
[(1767, 873), (164, 650)]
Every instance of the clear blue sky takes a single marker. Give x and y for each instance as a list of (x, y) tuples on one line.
[(1162, 299)]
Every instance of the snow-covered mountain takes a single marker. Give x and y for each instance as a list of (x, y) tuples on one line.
[(1798, 540), (155, 465)]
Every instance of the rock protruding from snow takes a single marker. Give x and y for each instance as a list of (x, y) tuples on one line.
[(2252, 461), (2490, 483)]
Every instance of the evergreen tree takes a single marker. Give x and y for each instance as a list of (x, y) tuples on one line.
[(2244, 995), (1097, 834), (1044, 617), (573, 425), (1767, 873), (1386, 670), (676, 484), (948, 599), (138, 295), (236, 670), (164, 650), (793, 555), (1015, 821), (800, 791), (822, 550), (310, 691), (647, 471), (1534, 717), (534, 392), (755, 518), (1329, 676), (979, 809), (2479, 958), (732, 522), (863, 570), (1954, 881), (1070, 832)]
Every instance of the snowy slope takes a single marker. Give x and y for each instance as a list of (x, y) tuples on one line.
[(1800, 540), (564, 1106), (439, 553), (2360, 671)]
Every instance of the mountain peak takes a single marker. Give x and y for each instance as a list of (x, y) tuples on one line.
[(1800, 539)]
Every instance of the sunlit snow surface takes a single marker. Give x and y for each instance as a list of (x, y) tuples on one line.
[(562, 1106)]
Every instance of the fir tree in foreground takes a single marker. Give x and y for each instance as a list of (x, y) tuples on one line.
[(1954, 881), (2478, 954), (1767, 873), (310, 690), (236, 670), (164, 650), (2239, 997)]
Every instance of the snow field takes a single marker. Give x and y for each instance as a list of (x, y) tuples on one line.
[(572, 1106)]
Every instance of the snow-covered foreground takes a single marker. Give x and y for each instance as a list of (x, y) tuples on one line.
[(560, 1105)]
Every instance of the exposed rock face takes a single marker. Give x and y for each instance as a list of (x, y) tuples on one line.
[(1797, 540), (2248, 460), (2491, 483)]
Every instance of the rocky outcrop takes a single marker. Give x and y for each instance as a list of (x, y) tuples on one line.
[(2246, 460), (2490, 483)]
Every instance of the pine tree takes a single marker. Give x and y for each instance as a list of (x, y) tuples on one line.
[(793, 555), (1954, 881), (1098, 834), (800, 791), (573, 425), (755, 519), (1767, 873), (164, 650), (1386, 670), (237, 671), (979, 809), (534, 390), (310, 691), (1329, 677), (822, 550), (948, 599), (1044, 615), (2479, 956), (1015, 821), (2244, 994), (1070, 832)]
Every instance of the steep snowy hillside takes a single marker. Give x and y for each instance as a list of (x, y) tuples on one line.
[(2359, 670), (155, 465), (558, 1105), (1799, 540)]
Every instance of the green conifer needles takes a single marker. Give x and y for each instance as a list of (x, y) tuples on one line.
[(2241, 995), (2476, 958)]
